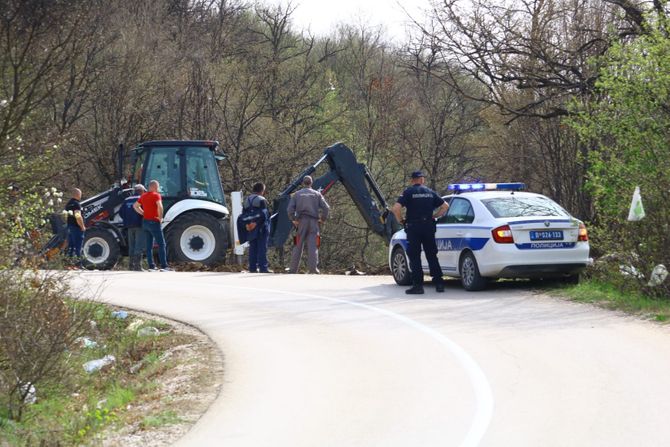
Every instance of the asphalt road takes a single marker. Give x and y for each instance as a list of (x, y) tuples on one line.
[(319, 361)]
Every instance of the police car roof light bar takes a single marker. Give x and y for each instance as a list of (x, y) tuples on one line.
[(463, 187), (511, 186)]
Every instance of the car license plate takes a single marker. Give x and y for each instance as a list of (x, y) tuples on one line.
[(554, 235)]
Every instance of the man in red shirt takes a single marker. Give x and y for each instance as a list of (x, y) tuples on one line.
[(150, 206)]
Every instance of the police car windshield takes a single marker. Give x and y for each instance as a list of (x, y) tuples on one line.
[(523, 207)]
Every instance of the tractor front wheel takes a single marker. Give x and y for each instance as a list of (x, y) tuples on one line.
[(101, 250)]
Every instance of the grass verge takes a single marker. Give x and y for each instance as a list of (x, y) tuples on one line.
[(616, 297), (85, 406)]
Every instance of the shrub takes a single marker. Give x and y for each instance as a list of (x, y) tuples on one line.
[(38, 325)]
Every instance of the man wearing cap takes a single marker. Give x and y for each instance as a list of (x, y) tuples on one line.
[(423, 207), (307, 209), (132, 221)]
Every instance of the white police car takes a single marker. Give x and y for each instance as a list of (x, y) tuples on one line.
[(494, 230)]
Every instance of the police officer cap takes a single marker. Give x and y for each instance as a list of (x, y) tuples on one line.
[(417, 174)]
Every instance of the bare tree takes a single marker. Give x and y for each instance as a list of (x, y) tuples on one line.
[(440, 121), (541, 48), (46, 49), (532, 59)]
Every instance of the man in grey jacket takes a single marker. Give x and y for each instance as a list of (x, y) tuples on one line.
[(307, 209)]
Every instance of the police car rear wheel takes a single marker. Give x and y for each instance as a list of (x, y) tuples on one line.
[(470, 277), (196, 237), (100, 250), (399, 267)]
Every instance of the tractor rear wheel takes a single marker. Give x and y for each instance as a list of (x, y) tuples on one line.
[(196, 237)]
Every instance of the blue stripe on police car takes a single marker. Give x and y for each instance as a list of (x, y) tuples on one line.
[(460, 243), (452, 243)]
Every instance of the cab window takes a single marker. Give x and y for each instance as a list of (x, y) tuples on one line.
[(164, 166), (202, 175), (138, 166), (460, 211)]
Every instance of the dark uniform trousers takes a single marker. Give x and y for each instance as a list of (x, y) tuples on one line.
[(422, 233)]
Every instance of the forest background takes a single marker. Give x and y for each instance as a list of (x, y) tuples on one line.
[(568, 96)]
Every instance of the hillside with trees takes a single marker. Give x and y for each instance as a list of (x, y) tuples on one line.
[(568, 96)]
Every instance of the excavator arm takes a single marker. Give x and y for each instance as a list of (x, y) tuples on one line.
[(356, 179)]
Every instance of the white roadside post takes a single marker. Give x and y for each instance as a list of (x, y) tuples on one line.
[(236, 202)]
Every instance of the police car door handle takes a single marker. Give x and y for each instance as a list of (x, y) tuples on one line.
[(459, 233)]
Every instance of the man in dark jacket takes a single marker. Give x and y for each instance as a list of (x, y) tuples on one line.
[(258, 231), (423, 206), (75, 228), (132, 220)]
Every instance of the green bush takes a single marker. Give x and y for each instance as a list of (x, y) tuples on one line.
[(630, 128)]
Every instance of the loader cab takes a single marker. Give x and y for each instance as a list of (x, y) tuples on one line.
[(195, 220), (184, 169)]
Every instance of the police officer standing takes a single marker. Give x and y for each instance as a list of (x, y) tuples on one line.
[(423, 207), (307, 209)]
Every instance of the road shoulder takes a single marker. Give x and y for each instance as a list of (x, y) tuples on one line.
[(185, 391)]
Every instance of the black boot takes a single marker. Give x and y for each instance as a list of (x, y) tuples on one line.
[(415, 290), (136, 263), (439, 286)]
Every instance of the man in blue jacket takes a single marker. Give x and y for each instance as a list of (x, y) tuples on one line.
[(133, 223), (258, 231)]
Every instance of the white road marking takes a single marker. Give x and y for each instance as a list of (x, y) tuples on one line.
[(480, 385)]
